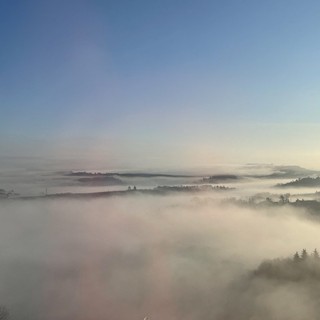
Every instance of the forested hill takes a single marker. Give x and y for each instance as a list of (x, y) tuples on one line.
[(301, 182)]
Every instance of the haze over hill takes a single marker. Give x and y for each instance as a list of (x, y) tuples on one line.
[(134, 256), (173, 250), (302, 182)]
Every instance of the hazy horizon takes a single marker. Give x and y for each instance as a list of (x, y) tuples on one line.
[(160, 83)]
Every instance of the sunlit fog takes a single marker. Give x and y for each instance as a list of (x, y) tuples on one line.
[(192, 247)]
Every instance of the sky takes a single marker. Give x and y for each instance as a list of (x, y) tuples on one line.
[(159, 84)]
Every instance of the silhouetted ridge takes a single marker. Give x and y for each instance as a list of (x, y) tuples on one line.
[(300, 267), (220, 178), (301, 182), (127, 175)]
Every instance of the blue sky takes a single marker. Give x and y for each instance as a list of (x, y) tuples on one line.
[(160, 83)]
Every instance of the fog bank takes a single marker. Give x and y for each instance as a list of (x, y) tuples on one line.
[(173, 257)]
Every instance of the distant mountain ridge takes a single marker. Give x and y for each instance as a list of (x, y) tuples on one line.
[(283, 172), (129, 175), (275, 172)]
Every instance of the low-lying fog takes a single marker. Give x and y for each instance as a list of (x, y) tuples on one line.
[(161, 257)]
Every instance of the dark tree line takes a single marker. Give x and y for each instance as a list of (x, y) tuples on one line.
[(305, 256), (300, 267)]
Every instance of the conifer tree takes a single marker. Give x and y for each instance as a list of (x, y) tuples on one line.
[(304, 254), (316, 254), (296, 257)]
